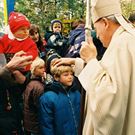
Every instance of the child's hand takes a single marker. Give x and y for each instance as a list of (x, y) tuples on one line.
[(44, 76)]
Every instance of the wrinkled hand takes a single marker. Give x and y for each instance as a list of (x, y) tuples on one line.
[(19, 61), (64, 61), (88, 50)]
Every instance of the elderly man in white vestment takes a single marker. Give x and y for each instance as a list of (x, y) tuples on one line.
[(109, 83)]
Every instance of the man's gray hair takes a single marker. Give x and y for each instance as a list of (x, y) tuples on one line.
[(112, 18)]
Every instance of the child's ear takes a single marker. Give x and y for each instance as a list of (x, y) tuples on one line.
[(56, 78)]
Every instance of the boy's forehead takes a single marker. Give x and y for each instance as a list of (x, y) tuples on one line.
[(56, 24), (41, 65)]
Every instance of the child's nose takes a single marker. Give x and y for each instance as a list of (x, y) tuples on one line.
[(70, 76)]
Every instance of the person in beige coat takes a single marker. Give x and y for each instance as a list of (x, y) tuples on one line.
[(109, 83)]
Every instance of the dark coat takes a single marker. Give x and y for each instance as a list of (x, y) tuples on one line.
[(33, 91), (60, 110), (10, 108), (57, 42), (6, 78), (75, 39)]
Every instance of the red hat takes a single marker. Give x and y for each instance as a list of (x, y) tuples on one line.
[(17, 20)]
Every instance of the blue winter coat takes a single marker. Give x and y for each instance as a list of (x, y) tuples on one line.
[(60, 110), (75, 39)]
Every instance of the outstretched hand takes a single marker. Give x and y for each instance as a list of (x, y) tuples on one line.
[(19, 77), (88, 50), (64, 61), (19, 61)]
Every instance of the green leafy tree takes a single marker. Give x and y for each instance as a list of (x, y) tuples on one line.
[(41, 12), (128, 6)]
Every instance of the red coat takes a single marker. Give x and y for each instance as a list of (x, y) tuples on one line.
[(11, 46)]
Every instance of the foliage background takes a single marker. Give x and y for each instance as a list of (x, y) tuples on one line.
[(41, 12)]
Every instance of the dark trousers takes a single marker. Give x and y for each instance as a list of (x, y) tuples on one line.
[(10, 126), (29, 133)]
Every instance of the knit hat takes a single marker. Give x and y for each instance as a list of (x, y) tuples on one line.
[(104, 8), (55, 22), (37, 62), (17, 20), (51, 54)]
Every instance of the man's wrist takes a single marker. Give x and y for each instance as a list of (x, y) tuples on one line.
[(9, 67)]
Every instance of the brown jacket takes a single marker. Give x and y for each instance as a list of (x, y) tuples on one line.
[(33, 91)]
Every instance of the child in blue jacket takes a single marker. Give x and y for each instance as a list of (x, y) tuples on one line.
[(60, 104), (56, 41)]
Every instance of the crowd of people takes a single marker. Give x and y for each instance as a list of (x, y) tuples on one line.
[(42, 79)]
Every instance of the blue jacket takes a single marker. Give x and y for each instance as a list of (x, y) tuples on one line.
[(75, 39), (60, 110)]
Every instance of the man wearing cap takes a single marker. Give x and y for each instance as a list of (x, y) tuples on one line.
[(109, 83)]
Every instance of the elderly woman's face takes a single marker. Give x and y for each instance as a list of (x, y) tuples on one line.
[(102, 32)]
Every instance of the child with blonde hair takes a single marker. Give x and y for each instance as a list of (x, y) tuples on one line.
[(60, 104), (32, 93)]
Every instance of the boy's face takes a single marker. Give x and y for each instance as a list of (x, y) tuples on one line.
[(66, 78), (57, 27), (22, 33), (39, 71)]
